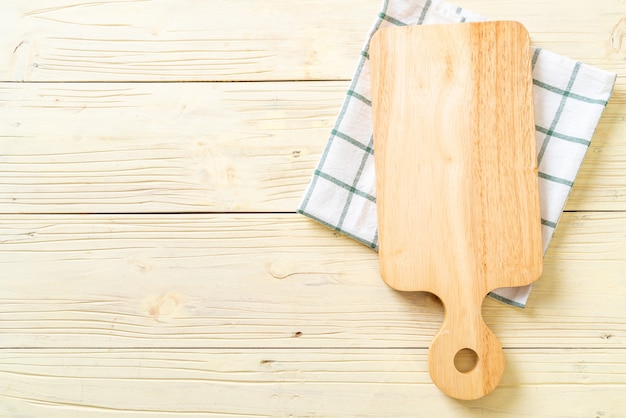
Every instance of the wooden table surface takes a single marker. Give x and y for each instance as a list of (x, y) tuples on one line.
[(152, 156)]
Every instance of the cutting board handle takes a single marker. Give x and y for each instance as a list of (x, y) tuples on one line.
[(463, 330)]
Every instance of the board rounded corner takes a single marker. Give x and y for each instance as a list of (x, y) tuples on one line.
[(520, 28)]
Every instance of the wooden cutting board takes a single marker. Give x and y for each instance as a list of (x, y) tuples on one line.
[(456, 179)]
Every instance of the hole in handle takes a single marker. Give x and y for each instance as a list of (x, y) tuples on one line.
[(465, 360)]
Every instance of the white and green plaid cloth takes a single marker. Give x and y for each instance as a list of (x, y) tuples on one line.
[(569, 98)]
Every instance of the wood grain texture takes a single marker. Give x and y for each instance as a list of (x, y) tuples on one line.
[(135, 40), (144, 147), (138, 40), (585, 31), (194, 147), (601, 181), (167, 314), (273, 281), (455, 158), (304, 383), (456, 179)]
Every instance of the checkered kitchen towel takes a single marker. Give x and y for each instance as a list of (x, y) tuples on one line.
[(569, 99)]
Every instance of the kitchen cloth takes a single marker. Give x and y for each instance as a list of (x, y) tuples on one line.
[(569, 98)]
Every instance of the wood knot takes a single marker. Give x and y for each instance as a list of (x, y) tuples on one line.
[(617, 42), (280, 270), (163, 307)]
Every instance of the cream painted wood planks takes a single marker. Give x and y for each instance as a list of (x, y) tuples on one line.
[(363, 383), (168, 147), (172, 280), (456, 180), (135, 40), (130, 40), (193, 147), (273, 281)]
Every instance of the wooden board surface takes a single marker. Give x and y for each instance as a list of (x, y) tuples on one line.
[(457, 194), (166, 147), (217, 40), (139, 310), (201, 281), (321, 382), (194, 147), (130, 40), (456, 161)]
